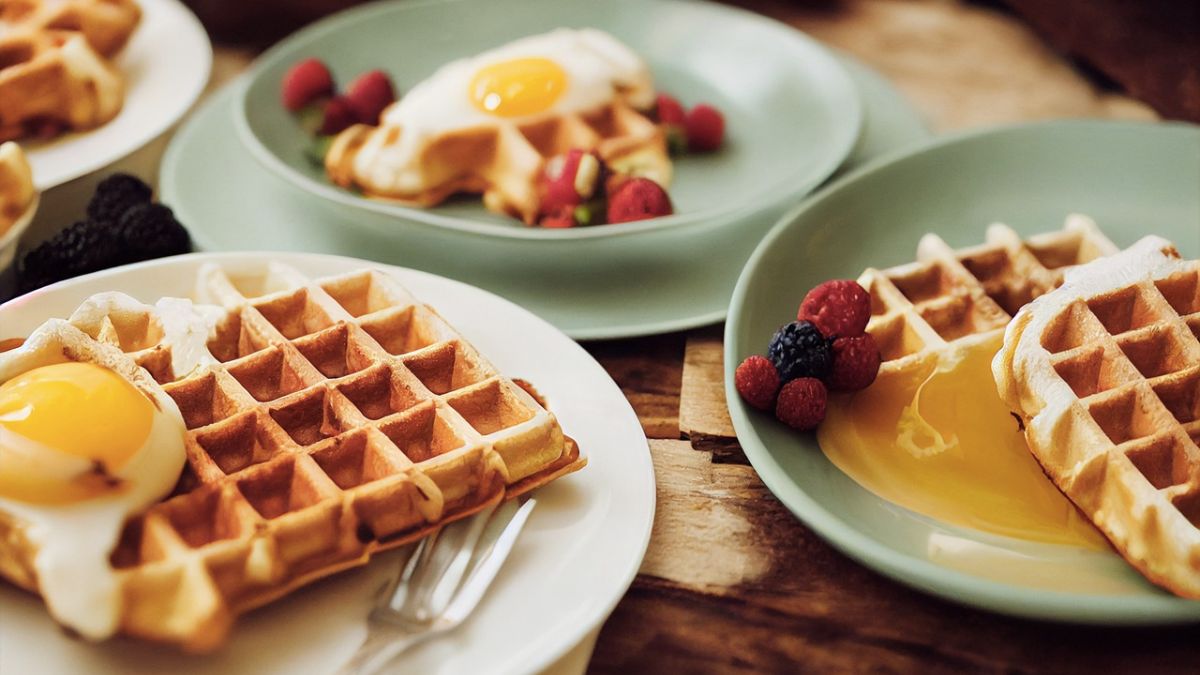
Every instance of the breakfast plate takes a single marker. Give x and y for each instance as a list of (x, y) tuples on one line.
[(1132, 179), (787, 127), (166, 65), (575, 559), (229, 201)]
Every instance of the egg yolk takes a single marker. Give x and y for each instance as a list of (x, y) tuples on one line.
[(518, 87), (938, 440), (65, 429)]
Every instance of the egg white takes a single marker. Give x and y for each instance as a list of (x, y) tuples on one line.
[(599, 68), (74, 541)]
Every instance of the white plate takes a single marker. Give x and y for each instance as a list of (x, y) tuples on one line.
[(574, 561), (165, 65)]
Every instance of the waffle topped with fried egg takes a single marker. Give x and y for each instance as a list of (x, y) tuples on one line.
[(489, 123), (294, 426), (55, 63)]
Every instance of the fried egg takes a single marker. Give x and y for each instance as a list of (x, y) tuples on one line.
[(86, 440), (562, 72)]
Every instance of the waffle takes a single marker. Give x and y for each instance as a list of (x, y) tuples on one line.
[(502, 162), (16, 187), (948, 298), (54, 67), (1105, 372), (326, 420)]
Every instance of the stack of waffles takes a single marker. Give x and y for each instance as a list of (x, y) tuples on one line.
[(1105, 371), (54, 63), (502, 161), (326, 420), (924, 310)]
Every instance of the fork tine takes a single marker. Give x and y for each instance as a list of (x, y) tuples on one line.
[(444, 567), (488, 565)]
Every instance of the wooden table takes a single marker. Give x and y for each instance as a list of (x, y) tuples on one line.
[(732, 581)]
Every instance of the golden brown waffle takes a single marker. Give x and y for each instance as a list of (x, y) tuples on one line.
[(1105, 371), (327, 420), (53, 62), (503, 161), (16, 187), (947, 297)]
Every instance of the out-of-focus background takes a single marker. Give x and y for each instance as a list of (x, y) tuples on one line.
[(1148, 50)]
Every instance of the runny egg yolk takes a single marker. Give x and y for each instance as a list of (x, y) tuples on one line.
[(65, 429), (518, 87), (937, 439)]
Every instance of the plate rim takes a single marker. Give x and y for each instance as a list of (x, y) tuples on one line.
[(944, 582), (572, 635), (848, 135), (148, 133)]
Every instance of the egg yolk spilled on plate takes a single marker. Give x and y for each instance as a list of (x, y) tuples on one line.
[(937, 439), (518, 87), (65, 428)]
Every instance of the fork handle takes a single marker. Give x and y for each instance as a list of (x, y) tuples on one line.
[(382, 644)]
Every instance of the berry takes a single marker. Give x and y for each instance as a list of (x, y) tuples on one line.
[(149, 231), (801, 403), (116, 194), (569, 180), (86, 246), (559, 222), (798, 349), (840, 308), (305, 82), (638, 199), (337, 114), (757, 381), (369, 94), (669, 110), (855, 363), (705, 128)]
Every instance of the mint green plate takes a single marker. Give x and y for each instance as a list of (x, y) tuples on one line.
[(1133, 179), (670, 279), (792, 113)]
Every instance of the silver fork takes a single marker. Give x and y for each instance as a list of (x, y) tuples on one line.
[(439, 584)]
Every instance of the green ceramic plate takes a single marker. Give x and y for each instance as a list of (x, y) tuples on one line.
[(792, 113), (1134, 179), (656, 282)]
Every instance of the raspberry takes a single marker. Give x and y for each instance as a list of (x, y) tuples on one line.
[(669, 110), (558, 222), (757, 381), (637, 199), (840, 308), (801, 403), (705, 128), (800, 350), (855, 363), (115, 195), (304, 83), (369, 94), (337, 114)]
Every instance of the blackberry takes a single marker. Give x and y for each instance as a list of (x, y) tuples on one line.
[(148, 231), (115, 195), (85, 246), (800, 350)]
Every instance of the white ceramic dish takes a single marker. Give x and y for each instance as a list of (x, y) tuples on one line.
[(576, 558), (166, 65)]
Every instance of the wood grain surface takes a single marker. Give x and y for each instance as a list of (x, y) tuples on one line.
[(732, 582)]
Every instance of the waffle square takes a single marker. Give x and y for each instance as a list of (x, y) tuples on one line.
[(326, 420), (947, 297), (1106, 373)]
